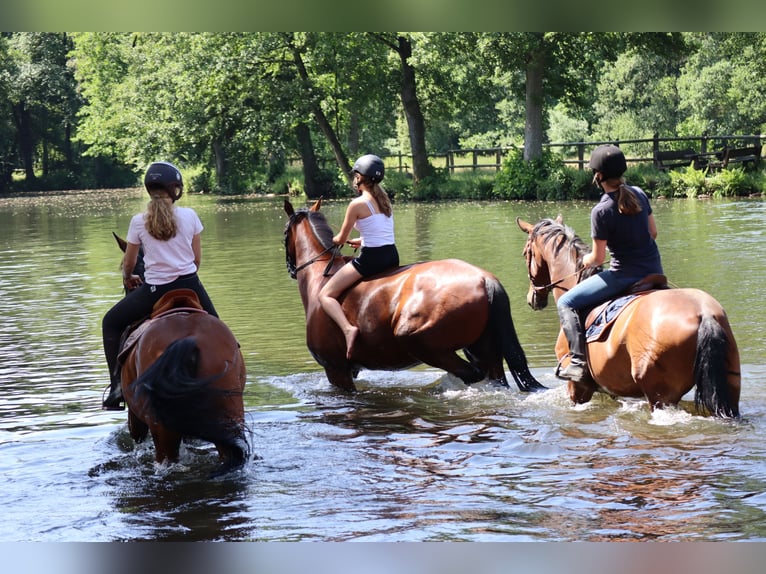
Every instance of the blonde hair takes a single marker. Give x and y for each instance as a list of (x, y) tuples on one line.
[(159, 219), (382, 198), (627, 202)]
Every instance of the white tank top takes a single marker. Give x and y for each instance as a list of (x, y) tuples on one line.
[(377, 229)]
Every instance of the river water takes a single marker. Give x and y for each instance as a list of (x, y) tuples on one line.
[(415, 455)]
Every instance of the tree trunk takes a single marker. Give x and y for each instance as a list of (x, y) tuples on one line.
[(415, 123), (23, 120), (319, 116), (220, 163), (308, 158), (533, 126)]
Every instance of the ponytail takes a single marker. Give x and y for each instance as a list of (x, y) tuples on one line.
[(160, 220), (627, 202)]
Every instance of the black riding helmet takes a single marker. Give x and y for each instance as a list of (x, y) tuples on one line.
[(370, 166), (609, 160), (164, 175)]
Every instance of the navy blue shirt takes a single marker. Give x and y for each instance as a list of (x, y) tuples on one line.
[(633, 250)]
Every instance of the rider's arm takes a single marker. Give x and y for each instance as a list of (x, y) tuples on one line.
[(652, 227), (128, 265), (197, 249), (597, 254), (352, 214)]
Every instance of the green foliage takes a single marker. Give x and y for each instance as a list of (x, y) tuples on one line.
[(546, 178), (731, 183), (688, 182)]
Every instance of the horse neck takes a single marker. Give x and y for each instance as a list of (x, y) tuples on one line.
[(310, 278), (563, 270)]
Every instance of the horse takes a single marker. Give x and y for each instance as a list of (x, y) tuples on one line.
[(183, 377), (663, 343), (409, 315)]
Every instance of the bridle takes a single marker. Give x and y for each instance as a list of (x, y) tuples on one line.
[(292, 269), (538, 289)]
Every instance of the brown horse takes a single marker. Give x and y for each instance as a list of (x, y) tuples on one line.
[(183, 376), (419, 313), (663, 344)]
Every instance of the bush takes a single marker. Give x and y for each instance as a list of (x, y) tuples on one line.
[(731, 183), (688, 182), (545, 179)]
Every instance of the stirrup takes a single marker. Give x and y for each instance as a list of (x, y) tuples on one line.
[(577, 372)]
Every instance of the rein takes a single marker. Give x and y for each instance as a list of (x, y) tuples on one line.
[(555, 283), (335, 252)]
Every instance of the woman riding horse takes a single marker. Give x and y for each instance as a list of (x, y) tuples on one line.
[(621, 222), (170, 238)]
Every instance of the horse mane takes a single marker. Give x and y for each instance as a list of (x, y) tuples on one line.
[(563, 237), (318, 223)]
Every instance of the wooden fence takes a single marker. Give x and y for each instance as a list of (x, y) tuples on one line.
[(576, 153)]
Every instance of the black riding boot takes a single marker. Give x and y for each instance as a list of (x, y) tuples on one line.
[(577, 370), (114, 400)]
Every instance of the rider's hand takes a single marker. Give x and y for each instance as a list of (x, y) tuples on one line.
[(132, 282), (356, 242)]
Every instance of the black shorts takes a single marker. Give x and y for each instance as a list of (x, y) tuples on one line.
[(373, 260)]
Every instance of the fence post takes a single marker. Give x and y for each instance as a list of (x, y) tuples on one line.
[(581, 156)]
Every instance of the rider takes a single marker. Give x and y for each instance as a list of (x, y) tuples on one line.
[(170, 237), (371, 214), (623, 223)]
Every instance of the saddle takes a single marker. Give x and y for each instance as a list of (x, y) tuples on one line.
[(599, 319), (175, 301)]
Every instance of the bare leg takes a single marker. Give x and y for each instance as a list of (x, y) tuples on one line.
[(339, 282)]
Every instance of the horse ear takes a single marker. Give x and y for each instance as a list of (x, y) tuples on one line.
[(289, 207), (524, 226), (120, 241), (317, 205), (560, 219)]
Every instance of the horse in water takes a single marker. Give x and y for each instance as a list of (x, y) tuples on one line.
[(419, 313), (663, 343), (183, 376)]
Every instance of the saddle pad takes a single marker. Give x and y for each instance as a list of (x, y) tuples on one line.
[(604, 315)]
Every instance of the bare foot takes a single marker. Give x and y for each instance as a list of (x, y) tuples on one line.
[(351, 334)]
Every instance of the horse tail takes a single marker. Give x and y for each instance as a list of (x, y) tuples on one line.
[(189, 404), (711, 370), (501, 324)]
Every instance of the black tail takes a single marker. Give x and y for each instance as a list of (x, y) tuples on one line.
[(711, 370), (501, 324), (186, 403)]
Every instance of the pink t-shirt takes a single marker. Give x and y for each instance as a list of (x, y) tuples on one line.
[(165, 261)]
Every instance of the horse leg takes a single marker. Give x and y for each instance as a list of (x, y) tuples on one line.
[(493, 367), (452, 363), (167, 444), (341, 378), (138, 428)]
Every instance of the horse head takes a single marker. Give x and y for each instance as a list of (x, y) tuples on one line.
[(553, 253), (307, 246)]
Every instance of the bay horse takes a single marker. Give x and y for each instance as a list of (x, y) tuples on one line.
[(664, 343), (419, 313), (183, 376)]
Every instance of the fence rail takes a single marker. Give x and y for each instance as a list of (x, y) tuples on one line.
[(576, 153)]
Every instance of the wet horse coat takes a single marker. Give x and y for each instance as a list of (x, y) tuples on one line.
[(662, 344), (419, 313)]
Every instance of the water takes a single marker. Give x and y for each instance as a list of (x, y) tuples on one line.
[(415, 455)]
